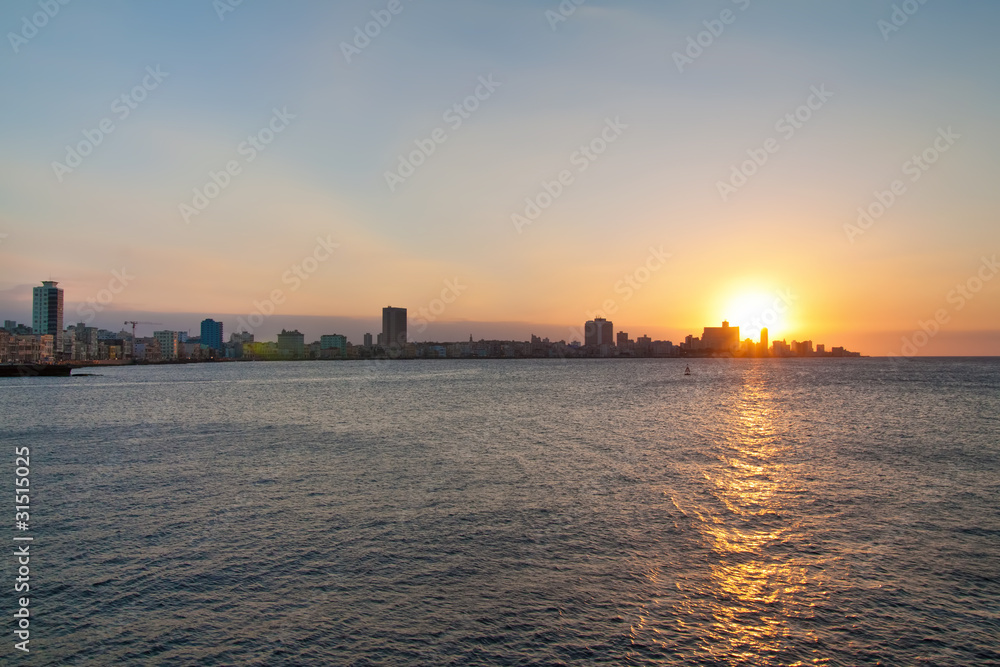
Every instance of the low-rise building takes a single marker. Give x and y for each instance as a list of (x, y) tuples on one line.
[(291, 344)]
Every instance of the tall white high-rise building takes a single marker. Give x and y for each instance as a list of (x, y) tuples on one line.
[(47, 312)]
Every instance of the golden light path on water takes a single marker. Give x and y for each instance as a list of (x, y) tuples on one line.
[(760, 576)]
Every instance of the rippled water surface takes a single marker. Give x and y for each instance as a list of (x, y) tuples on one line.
[(758, 512)]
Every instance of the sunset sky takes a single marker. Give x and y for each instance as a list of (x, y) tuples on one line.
[(713, 158)]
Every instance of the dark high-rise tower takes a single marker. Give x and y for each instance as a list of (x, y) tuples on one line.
[(598, 331), (393, 327)]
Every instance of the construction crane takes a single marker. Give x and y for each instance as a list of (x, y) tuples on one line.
[(133, 323)]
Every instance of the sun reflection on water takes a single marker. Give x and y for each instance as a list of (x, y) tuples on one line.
[(756, 582)]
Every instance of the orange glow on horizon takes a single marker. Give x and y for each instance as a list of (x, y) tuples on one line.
[(752, 309)]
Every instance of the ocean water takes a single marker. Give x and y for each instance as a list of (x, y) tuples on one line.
[(757, 512)]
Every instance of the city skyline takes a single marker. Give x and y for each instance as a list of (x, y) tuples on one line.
[(47, 342), (394, 326), (683, 164)]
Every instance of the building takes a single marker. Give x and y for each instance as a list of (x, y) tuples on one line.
[(260, 350), (291, 345), (721, 339), (621, 339), (393, 327), (169, 344), (598, 331), (20, 349), (368, 340), (211, 335), (804, 348), (663, 348), (334, 345), (47, 312), (147, 349), (192, 348)]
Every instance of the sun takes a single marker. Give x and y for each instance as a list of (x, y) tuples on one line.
[(753, 310)]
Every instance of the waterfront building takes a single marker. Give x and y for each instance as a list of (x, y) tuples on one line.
[(333, 342), (211, 335), (721, 339), (333, 346), (18, 349), (598, 331), (393, 327), (169, 344), (147, 349), (47, 312), (291, 344), (804, 348)]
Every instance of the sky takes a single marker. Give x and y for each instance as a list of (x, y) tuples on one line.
[(502, 169)]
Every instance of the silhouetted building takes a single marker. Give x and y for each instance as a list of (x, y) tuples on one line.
[(721, 339), (598, 331), (368, 340), (393, 327), (805, 348), (47, 312)]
